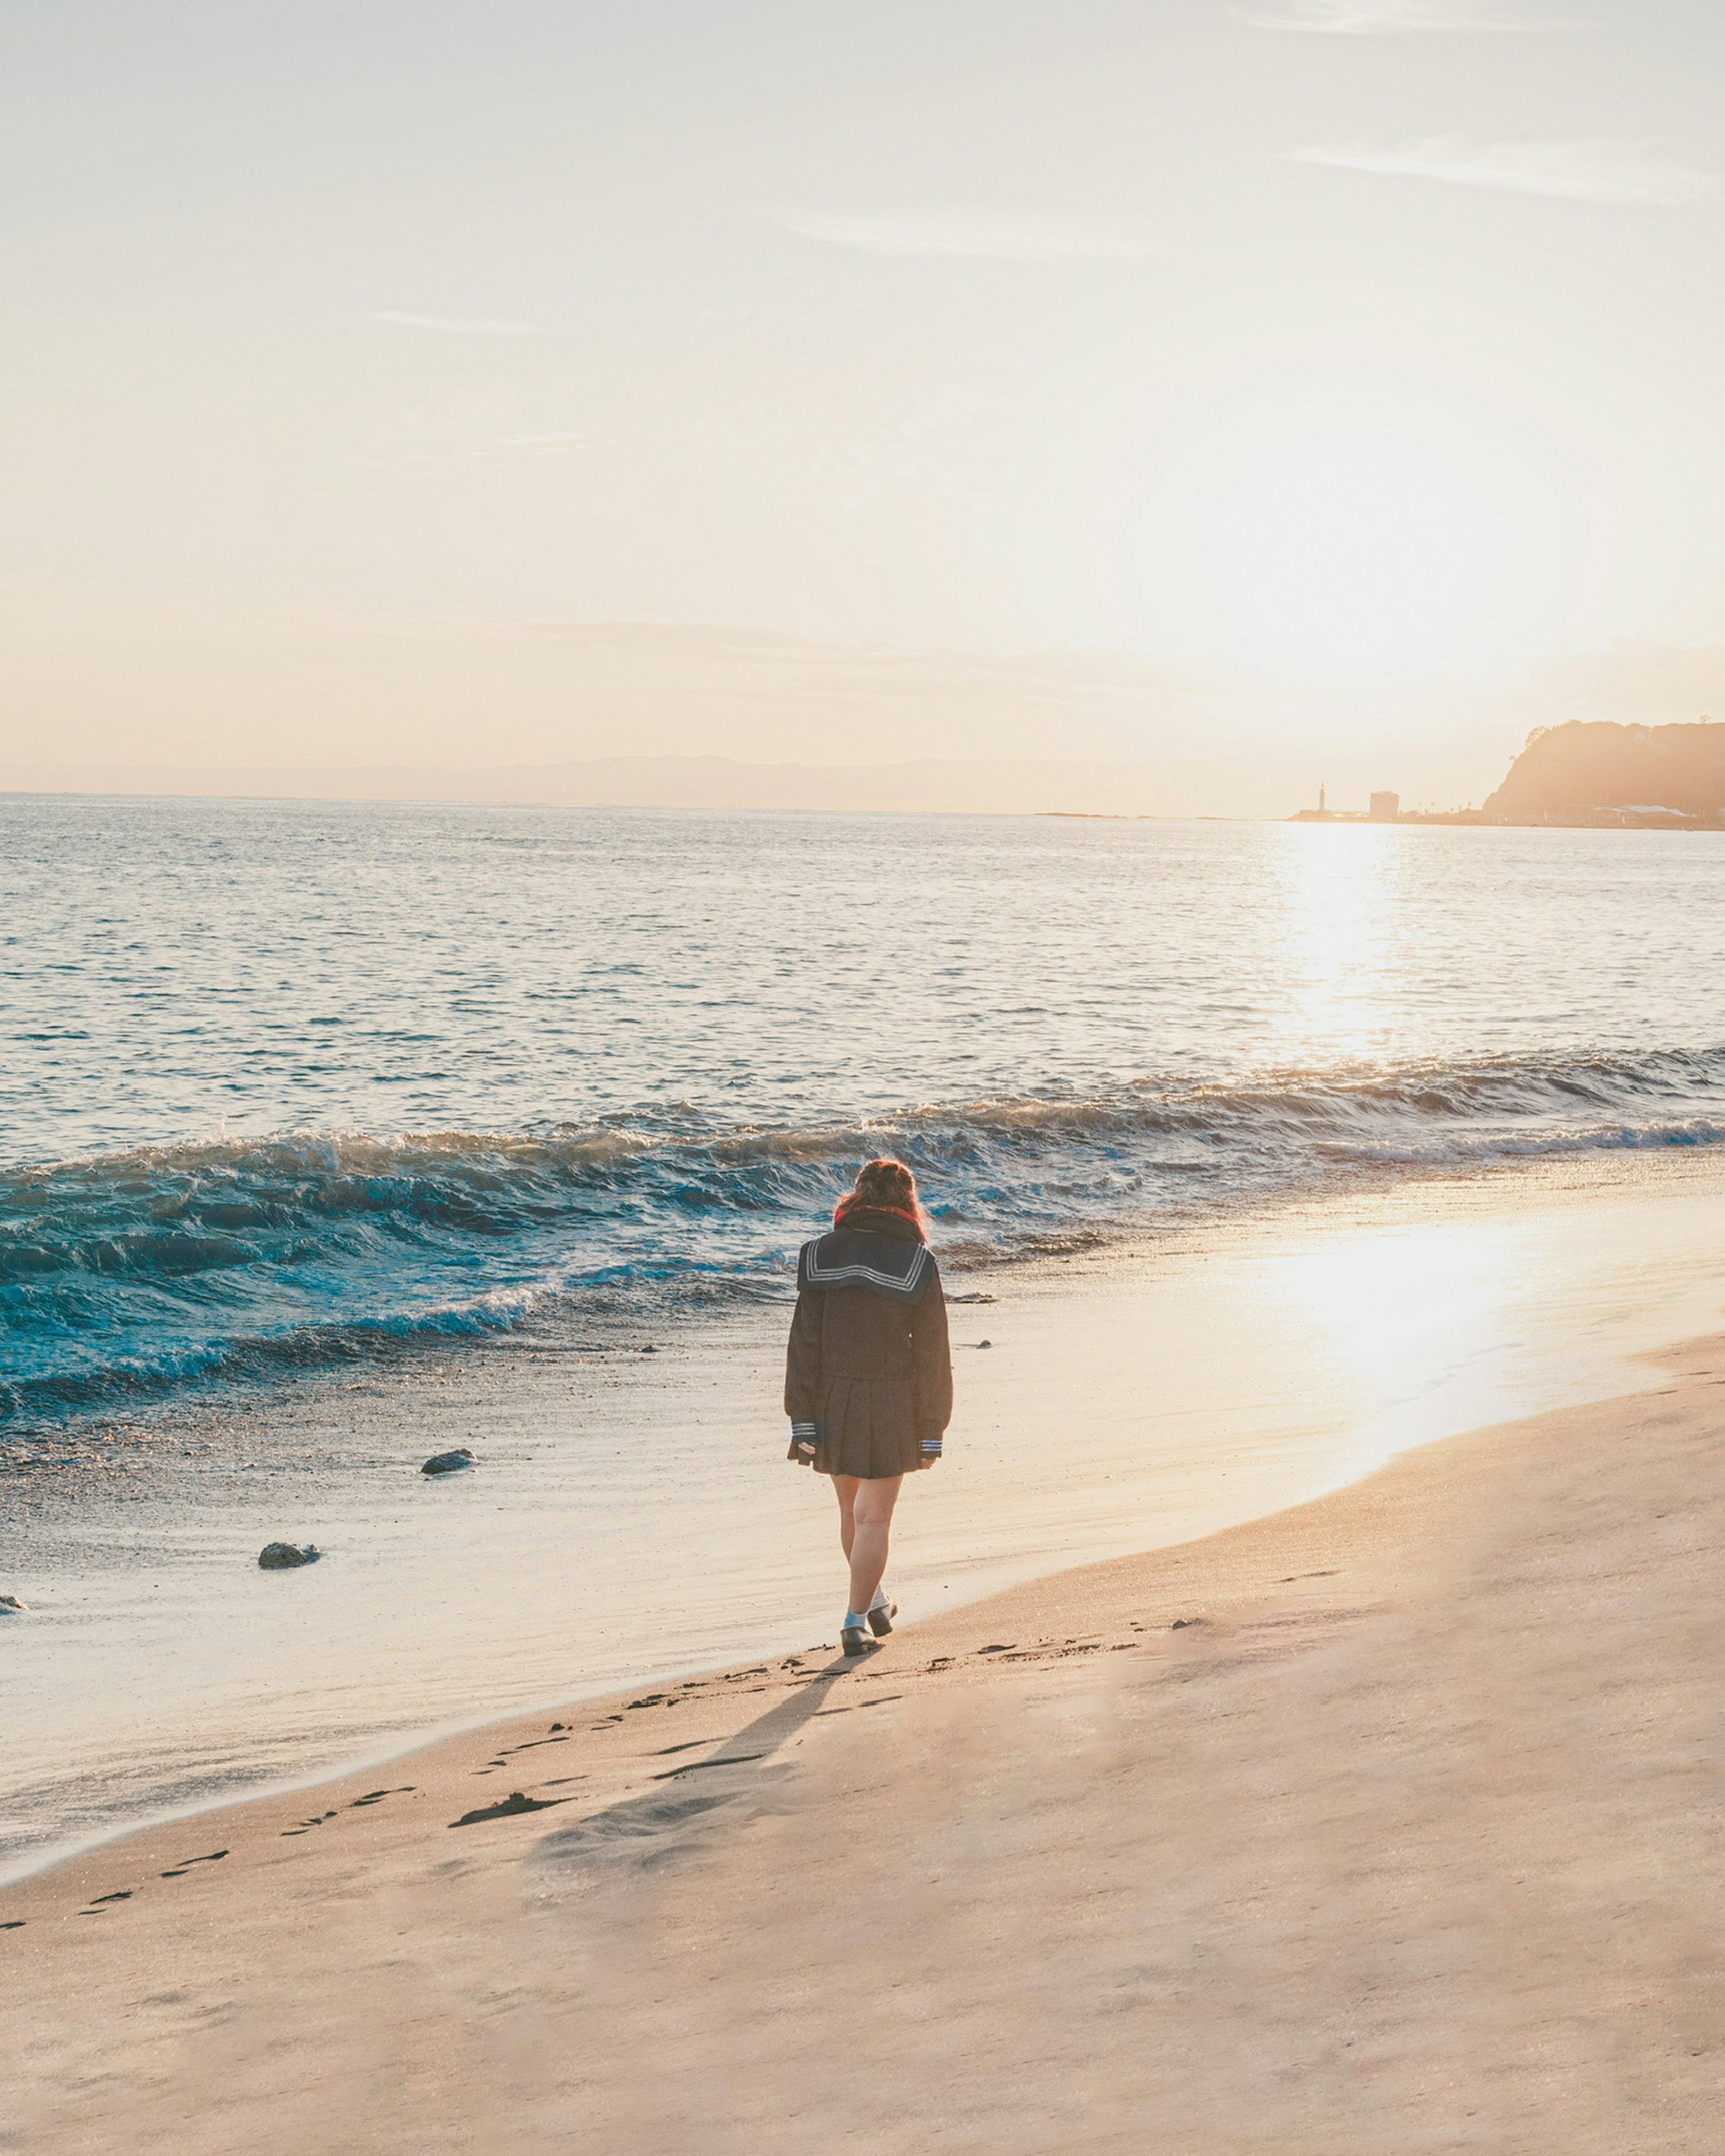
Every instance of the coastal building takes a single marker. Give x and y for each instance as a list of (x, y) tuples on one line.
[(1323, 813), (1385, 808)]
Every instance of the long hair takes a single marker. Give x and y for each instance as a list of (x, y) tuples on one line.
[(887, 1186)]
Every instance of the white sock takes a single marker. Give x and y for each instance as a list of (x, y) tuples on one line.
[(852, 1620), (879, 1600)]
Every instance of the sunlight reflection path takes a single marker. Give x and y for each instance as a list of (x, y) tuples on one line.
[(1339, 888)]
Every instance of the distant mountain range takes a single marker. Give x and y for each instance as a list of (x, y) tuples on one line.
[(985, 786), (1566, 771)]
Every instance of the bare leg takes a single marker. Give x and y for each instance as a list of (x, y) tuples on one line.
[(870, 1520), (844, 1488)]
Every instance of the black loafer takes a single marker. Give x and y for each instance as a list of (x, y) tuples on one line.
[(880, 1620), (855, 1641)]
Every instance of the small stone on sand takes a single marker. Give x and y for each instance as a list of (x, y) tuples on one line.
[(280, 1557)]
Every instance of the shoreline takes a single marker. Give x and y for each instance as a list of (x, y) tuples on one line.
[(476, 1737), (1323, 1428), (1255, 1799)]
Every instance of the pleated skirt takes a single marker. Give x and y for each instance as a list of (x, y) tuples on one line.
[(867, 1426)]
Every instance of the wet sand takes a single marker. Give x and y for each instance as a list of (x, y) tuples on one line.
[(1386, 1822), (1125, 1402)]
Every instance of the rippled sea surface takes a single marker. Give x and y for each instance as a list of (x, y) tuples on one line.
[(284, 1081)]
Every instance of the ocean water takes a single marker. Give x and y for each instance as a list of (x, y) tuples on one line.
[(337, 1135), (290, 1083)]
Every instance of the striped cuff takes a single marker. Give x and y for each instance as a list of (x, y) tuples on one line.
[(801, 1430), (931, 1448), (804, 1437)]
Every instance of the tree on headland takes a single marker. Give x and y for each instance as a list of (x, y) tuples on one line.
[(1600, 763)]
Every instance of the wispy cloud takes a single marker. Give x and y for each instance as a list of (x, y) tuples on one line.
[(1388, 18), (981, 235), (559, 444), (455, 324), (1598, 169), (564, 442)]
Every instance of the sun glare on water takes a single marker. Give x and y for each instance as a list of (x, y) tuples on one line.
[(1413, 1326), (1337, 946)]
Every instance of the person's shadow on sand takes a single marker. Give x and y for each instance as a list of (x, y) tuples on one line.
[(647, 1830)]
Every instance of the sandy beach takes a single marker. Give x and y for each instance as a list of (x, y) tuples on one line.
[(1387, 1822), (1224, 1377)]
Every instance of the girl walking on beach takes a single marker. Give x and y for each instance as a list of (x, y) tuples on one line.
[(868, 1375)]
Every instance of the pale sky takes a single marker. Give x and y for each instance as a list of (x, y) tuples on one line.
[(1333, 377)]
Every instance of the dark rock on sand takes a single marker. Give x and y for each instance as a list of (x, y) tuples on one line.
[(280, 1556), (447, 1463)]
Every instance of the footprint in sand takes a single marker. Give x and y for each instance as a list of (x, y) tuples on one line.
[(373, 1797), (304, 1827), (695, 1766), (531, 1744), (515, 1802)]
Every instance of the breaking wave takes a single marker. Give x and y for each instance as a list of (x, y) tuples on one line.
[(124, 1276)]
